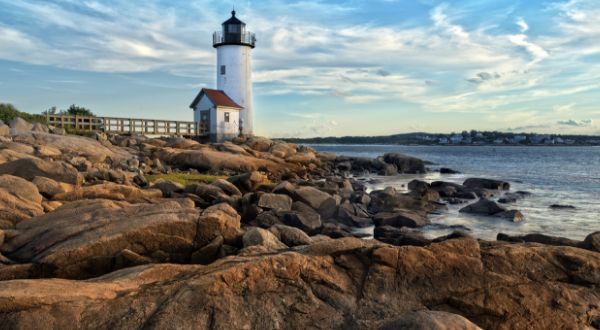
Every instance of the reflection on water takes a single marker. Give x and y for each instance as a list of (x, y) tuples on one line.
[(554, 175)]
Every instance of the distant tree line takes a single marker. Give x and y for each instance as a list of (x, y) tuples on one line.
[(421, 138), (73, 110)]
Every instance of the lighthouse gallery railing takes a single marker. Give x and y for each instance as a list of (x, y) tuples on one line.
[(247, 38)]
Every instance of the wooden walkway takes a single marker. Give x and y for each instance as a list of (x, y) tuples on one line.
[(127, 125)]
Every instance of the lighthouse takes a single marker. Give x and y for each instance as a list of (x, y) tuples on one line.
[(226, 112), (234, 66)]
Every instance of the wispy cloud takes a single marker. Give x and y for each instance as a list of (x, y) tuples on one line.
[(445, 59), (578, 123)]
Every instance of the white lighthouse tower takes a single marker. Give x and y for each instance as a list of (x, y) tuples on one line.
[(234, 67)]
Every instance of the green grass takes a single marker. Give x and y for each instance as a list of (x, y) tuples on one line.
[(185, 178)]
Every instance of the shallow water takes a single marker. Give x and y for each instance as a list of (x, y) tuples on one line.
[(554, 175)]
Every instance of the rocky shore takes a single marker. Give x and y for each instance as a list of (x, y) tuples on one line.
[(137, 232)]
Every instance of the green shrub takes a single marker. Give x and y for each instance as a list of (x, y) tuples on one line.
[(8, 112)]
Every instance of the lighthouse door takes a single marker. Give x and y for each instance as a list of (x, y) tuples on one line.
[(205, 121)]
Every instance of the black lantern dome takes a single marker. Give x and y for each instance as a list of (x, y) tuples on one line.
[(234, 33)]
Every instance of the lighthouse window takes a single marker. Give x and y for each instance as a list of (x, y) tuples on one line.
[(223, 70), (234, 28), (226, 117)]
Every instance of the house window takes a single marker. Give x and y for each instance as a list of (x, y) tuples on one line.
[(226, 117), (223, 70)]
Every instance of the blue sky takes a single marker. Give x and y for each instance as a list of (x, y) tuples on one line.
[(321, 68)]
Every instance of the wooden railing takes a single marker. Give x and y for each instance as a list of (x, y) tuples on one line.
[(127, 125)]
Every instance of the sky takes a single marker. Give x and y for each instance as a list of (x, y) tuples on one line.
[(320, 68)]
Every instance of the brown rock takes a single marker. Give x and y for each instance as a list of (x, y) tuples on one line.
[(401, 218), (479, 183), (284, 187), (290, 236), (311, 196), (82, 239), (248, 182), (19, 200), (430, 320), (592, 242), (49, 188), (484, 207), (334, 284), (404, 163), (29, 168), (167, 187), (228, 187), (262, 237), (110, 191), (275, 202), (209, 252), (220, 219), (400, 236)]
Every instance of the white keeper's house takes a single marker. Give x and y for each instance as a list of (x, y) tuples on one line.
[(226, 112)]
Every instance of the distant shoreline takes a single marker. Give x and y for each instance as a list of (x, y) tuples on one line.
[(451, 145)]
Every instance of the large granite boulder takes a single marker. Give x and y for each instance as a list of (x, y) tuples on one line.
[(76, 146), (491, 208), (19, 200), (275, 202), (19, 125), (84, 239), (404, 163), (213, 160), (592, 242), (49, 188), (219, 220), (321, 201), (479, 183), (389, 199), (354, 214), (302, 216), (401, 218), (109, 190), (484, 207), (29, 168)]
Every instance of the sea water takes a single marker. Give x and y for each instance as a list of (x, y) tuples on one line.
[(553, 175)]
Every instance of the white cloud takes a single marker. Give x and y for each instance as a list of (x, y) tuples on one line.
[(523, 26)]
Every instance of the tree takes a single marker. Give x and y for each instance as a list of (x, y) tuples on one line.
[(75, 110), (51, 111)]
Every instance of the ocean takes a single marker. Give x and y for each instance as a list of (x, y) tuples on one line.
[(553, 175)]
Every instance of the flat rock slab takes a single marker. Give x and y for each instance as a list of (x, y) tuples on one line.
[(334, 284)]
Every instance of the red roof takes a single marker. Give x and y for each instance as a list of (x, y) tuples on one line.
[(217, 97)]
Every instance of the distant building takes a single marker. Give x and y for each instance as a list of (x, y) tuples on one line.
[(443, 140), (456, 138), (499, 141), (519, 138)]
